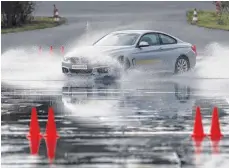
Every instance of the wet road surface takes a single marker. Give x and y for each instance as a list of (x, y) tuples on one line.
[(114, 124)]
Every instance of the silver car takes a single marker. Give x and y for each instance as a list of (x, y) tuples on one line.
[(123, 50)]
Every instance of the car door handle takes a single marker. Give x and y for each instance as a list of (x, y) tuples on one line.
[(160, 48)]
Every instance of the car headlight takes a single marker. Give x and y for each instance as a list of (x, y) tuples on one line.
[(103, 70), (66, 59), (106, 69)]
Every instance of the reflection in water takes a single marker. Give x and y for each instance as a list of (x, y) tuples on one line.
[(127, 107), (182, 93), (129, 110)]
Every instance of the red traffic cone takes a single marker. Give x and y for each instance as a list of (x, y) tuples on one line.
[(198, 131), (51, 130), (51, 135), (62, 49), (34, 124), (40, 50), (51, 49), (215, 132), (34, 135)]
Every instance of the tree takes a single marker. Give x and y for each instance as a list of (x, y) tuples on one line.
[(223, 10), (16, 13)]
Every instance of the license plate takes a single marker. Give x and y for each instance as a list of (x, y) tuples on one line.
[(79, 66)]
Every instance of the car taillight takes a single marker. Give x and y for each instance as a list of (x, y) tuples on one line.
[(194, 49)]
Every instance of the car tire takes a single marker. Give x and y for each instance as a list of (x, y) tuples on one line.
[(125, 63), (182, 65)]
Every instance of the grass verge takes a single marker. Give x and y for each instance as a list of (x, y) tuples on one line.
[(36, 23), (209, 19)]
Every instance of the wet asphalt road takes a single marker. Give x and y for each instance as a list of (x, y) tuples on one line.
[(110, 124), (135, 122)]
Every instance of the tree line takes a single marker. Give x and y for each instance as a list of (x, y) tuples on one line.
[(16, 13)]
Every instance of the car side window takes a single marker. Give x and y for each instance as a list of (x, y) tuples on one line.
[(151, 38), (165, 39)]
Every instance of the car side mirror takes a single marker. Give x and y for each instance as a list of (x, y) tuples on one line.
[(143, 44)]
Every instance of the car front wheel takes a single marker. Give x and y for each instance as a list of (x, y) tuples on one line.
[(125, 63), (182, 65)]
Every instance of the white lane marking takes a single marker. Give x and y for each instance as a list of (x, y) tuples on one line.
[(227, 99), (123, 133), (188, 133)]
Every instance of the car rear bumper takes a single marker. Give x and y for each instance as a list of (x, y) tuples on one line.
[(192, 59), (192, 62)]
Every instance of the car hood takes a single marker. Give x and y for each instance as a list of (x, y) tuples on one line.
[(99, 55), (95, 51)]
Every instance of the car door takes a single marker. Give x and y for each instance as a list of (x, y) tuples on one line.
[(169, 51), (147, 57)]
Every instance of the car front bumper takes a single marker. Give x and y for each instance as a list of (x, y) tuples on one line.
[(98, 71)]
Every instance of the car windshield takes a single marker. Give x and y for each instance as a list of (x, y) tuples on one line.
[(118, 39)]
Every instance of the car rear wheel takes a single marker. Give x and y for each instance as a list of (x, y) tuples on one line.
[(182, 65)]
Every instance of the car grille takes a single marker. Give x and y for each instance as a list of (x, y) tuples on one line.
[(74, 60), (102, 70), (78, 60), (81, 71)]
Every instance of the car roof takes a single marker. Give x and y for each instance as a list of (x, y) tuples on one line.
[(138, 31), (141, 32)]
